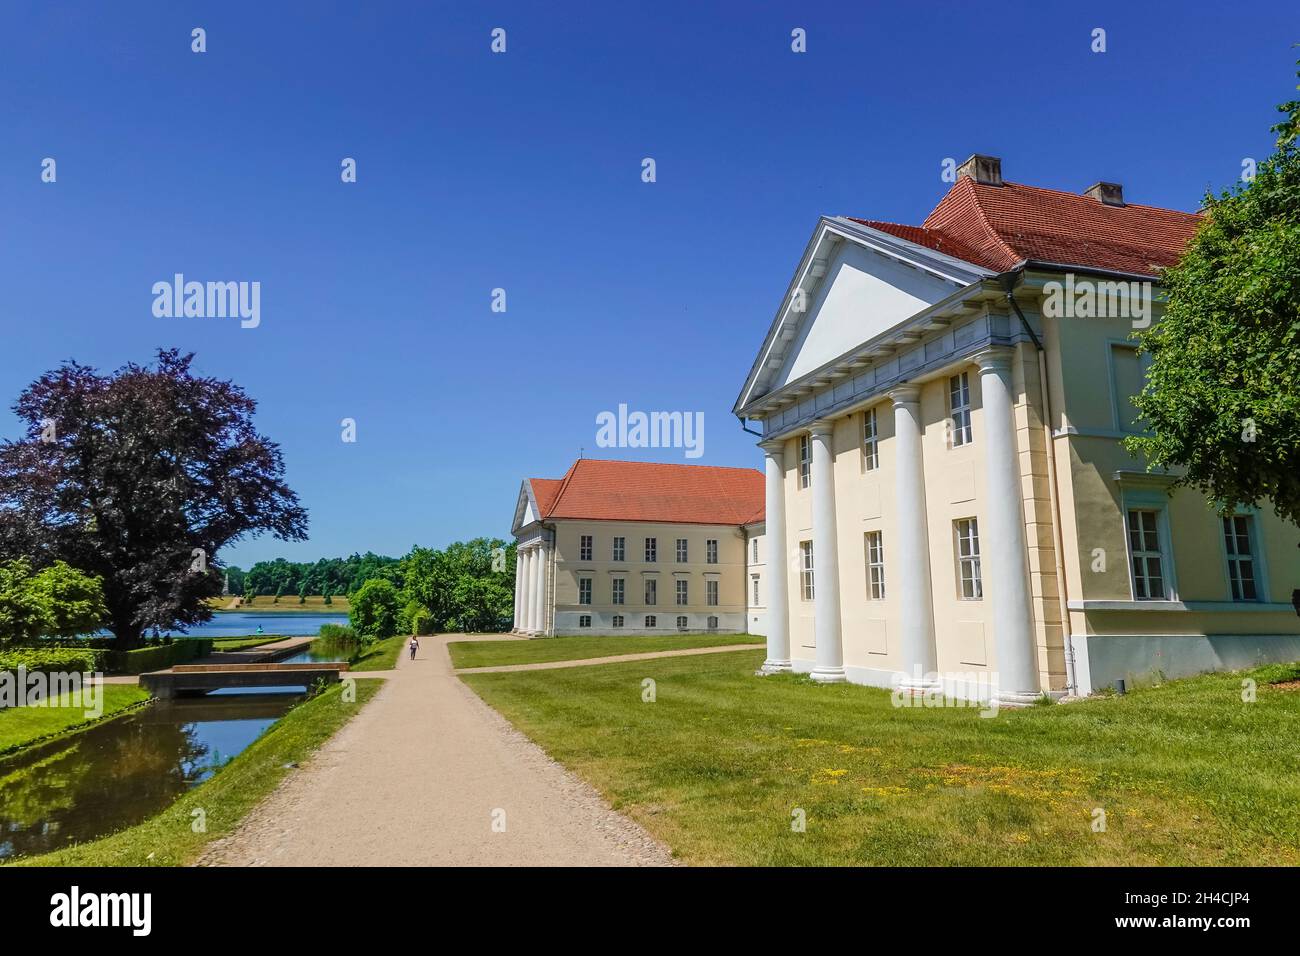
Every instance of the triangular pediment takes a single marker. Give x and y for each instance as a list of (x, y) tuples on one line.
[(525, 508)]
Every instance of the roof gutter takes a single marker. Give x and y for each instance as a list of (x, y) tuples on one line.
[(1053, 491)]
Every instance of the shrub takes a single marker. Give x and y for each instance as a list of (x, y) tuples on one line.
[(158, 657), (82, 660)]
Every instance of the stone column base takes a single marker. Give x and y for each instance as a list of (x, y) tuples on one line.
[(774, 667), (1008, 698), (828, 675)]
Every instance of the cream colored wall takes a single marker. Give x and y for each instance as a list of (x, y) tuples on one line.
[(756, 611), (1098, 566), (730, 567)]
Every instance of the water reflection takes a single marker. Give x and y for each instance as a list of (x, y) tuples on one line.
[(120, 772)]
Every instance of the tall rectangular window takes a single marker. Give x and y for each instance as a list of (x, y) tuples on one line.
[(754, 550), (651, 591), (620, 549), (584, 590), (969, 585), (805, 461), (806, 570), (711, 551), (683, 592), (616, 593), (870, 445), (875, 566), (651, 550), (584, 548), (681, 551), (755, 581), (959, 408), (711, 593), (1241, 557), (1146, 555)]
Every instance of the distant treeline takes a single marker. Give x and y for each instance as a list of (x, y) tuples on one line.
[(326, 576)]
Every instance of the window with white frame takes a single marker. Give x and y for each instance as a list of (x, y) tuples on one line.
[(755, 586), (584, 590), (682, 551), (875, 566), (754, 550), (970, 587), (681, 622), (711, 551), (618, 620), (1239, 545), (651, 550), (651, 592), (713, 623), (616, 591), (870, 444), (806, 570), (650, 621), (683, 592), (805, 461), (584, 548), (584, 620), (959, 409), (711, 593), (1146, 555), (620, 549)]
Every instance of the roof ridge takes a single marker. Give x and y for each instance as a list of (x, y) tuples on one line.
[(1084, 196), (564, 486), (979, 210)]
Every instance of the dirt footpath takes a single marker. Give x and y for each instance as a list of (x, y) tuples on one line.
[(429, 775)]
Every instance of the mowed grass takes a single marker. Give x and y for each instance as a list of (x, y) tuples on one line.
[(722, 765), (20, 726), (244, 643), (168, 839), (381, 655), (288, 602), (545, 649)]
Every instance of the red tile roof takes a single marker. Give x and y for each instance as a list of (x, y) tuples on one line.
[(999, 227), (649, 491)]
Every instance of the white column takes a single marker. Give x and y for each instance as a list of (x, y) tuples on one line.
[(777, 584), (1004, 567), (515, 624), (912, 546), (539, 600), (530, 605), (826, 559)]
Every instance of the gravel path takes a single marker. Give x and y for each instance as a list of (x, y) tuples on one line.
[(426, 775)]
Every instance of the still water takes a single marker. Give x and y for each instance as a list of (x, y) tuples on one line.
[(243, 623), (120, 772)]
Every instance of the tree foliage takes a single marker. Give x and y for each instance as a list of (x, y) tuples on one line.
[(374, 608), (58, 601), (141, 477), (1222, 399)]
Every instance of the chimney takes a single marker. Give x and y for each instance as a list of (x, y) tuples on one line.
[(1110, 194), (985, 170)]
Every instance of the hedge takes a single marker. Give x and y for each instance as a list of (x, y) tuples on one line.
[(158, 657), (64, 659)]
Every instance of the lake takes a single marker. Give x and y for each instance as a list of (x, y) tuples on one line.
[(241, 623)]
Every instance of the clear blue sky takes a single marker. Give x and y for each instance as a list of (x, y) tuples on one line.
[(522, 171)]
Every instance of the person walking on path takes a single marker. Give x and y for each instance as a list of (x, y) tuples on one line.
[(415, 645)]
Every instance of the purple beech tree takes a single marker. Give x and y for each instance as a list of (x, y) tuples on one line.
[(140, 477)]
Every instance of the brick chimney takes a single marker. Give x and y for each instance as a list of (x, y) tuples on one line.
[(1110, 194), (985, 170)]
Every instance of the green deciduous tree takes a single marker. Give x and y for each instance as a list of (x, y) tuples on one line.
[(1222, 399), (58, 601), (374, 608)]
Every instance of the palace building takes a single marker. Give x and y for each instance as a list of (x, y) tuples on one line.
[(627, 547), (942, 409)]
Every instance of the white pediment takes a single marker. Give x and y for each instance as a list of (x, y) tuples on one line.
[(863, 294)]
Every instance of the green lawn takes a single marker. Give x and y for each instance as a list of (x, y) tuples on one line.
[(540, 650), (244, 643), (381, 655), (169, 838), (719, 764), (20, 726)]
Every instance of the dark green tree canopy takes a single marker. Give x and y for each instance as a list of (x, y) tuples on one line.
[(140, 477), (1222, 399)]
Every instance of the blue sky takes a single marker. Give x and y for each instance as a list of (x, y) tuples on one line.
[(523, 171)]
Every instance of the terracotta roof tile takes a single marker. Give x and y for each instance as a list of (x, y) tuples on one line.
[(999, 227), (650, 491)]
